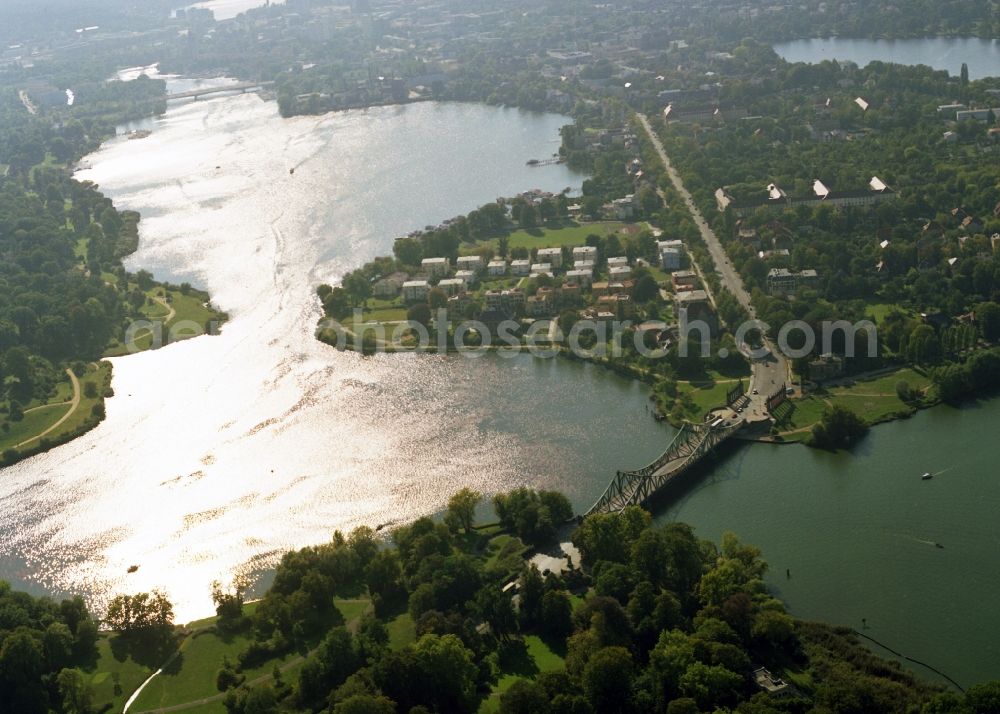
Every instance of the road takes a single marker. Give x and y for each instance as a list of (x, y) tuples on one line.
[(770, 373), (74, 403)]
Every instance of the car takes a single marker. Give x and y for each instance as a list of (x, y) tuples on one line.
[(755, 392), (740, 410)]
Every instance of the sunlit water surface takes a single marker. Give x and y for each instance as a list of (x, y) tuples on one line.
[(220, 453)]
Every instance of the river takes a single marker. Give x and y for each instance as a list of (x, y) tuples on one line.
[(948, 53), (220, 453)]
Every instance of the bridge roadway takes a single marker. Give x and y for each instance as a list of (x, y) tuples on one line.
[(692, 443), (205, 91), (769, 373)]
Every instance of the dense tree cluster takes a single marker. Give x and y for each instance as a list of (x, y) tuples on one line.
[(42, 646)]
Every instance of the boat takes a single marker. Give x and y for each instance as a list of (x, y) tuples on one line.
[(139, 134), (533, 162), (291, 171), (927, 476), (938, 545), (133, 568)]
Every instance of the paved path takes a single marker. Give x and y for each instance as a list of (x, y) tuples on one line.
[(74, 403), (770, 372)]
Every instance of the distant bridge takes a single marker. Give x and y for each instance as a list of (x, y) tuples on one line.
[(634, 488), (242, 88)]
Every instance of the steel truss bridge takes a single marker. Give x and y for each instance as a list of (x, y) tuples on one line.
[(633, 488)]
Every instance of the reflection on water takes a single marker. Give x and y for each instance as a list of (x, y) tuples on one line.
[(220, 453)]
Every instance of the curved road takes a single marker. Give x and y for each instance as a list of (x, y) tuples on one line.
[(770, 372), (74, 403)]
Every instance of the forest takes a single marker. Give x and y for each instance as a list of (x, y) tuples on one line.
[(456, 617)]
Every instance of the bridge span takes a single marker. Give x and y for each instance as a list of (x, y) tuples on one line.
[(692, 443), (242, 88)]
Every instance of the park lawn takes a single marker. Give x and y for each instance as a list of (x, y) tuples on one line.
[(878, 311), (808, 411), (402, 631), (129, 674), (540, 658), (505, 549), (389, 313), (189, 319), (572, 234), (872, 409), (34, 422), (192, 675), (706, 395)]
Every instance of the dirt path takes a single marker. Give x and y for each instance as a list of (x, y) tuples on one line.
[(171, 312), (74, 403)]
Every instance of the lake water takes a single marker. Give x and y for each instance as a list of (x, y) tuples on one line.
[(982, 56), (220, 453), (858, 533), (228, 9)]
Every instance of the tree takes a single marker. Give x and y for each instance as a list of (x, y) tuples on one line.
[(838, 429), (408, 251), (437, 298), (607, 680), (988, 319), (645, 289), (556, 619), (77, 696), (964, 75), (228, 604), (462, 509), (524, 697), (358, 286), (419, 313), (365, 704)]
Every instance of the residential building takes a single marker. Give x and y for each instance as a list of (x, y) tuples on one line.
[(469, 277), (617, 261), (415, 290), (452, 286), (541, 269), (512, 300), (583, 264), (600, 288), (580, 277), (538, 306), (769, 683), (435, 267), (697, 306), (670, 259), (493, 299), (684, 281), (623, 208), (389, 286), (619, 272), (552, 256), (782, 281), (497, 268), (584, 252), (470, 262), (571, 291), (749, 237), (520, 267), (977, 114), (826, 367)]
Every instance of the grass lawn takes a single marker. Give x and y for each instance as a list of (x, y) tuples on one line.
[(34, 422), (189, 319), (879, 310), (505, 551), (108, 670), (874, 400), (192, 675), (38, 421), (402, 631), (572, 234), (537, 657)]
